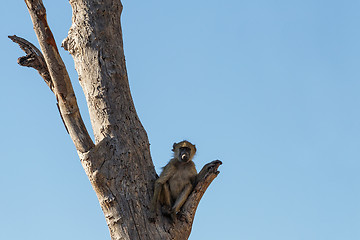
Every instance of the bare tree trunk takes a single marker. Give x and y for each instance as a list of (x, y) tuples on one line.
[(119, 164)]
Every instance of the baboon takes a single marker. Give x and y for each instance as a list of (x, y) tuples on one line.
[(176, 181)]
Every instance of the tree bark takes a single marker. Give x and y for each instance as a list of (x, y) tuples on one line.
[(119, 164)]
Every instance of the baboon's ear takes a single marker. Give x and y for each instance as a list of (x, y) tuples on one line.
[(174, 145)]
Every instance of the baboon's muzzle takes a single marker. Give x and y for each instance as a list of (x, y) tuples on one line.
[(184, 157)]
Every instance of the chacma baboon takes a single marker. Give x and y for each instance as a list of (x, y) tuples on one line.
[(176, 181)]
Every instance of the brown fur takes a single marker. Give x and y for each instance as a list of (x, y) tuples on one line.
[(176, 181)]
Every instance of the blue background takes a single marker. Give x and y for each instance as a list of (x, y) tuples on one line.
[(271, 88)]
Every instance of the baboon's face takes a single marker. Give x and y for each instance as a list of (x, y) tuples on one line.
[(184, 154)]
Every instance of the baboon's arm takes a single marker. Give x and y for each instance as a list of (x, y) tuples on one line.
[(182, 198)]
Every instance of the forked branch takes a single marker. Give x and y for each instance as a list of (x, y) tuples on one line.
[(51, 67), (207, 174), (120, 166)]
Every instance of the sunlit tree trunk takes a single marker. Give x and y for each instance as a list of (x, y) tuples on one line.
[(118, 163)]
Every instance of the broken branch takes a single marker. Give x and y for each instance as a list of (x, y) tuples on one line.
[(51, 67), (33, 58), (207, 174)]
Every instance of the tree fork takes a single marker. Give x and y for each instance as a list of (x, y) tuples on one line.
[(59, 81), (119, 165)]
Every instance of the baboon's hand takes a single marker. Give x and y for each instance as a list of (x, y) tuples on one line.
[(184, 217), (173, 217)]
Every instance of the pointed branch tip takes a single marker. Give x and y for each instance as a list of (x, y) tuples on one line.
[(34, 59)]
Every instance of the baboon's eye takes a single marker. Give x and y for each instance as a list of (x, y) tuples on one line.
[(184, 149)]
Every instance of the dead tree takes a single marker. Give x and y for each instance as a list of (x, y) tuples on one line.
[(118, 164)]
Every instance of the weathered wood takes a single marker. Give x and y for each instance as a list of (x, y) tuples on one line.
[(61, 84), (186, 216), (33, 59), (119, 166), (95, 42)]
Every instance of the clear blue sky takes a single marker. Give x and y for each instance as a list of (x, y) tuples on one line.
[(271, 88)]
